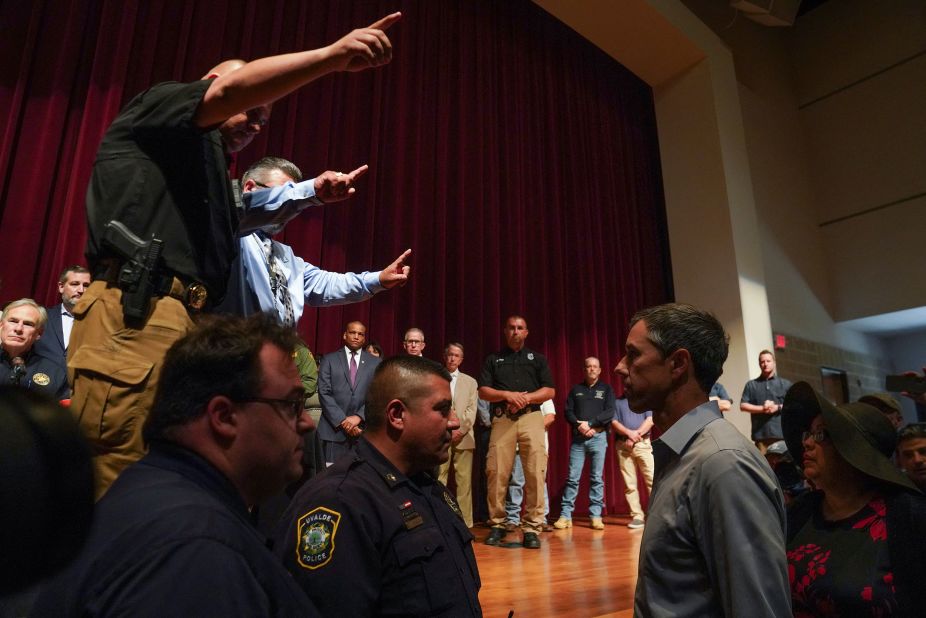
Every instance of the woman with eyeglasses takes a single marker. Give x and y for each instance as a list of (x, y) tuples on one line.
[(857, 543)]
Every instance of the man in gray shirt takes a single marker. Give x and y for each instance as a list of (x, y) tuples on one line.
[(714, 541)]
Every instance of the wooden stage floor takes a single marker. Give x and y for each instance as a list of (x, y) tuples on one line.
[(577, 572)]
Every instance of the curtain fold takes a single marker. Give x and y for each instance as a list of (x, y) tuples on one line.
[(518, 161)]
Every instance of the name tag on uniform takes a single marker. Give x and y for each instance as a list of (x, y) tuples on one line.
[(410, 516)]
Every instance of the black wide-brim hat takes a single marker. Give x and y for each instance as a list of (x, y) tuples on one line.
[(861, 434)]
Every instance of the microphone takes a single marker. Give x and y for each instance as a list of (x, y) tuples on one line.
[(19, 370)]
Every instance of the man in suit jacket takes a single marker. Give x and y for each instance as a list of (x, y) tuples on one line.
[(72, 284), (464, 391), (343, 379)]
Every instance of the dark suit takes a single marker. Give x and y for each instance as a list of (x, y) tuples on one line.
[(51, 344), (338, 398)]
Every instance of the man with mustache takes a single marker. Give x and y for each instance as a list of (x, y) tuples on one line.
[(376, 534)]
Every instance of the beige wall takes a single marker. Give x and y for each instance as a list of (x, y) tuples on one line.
[(775, 143)]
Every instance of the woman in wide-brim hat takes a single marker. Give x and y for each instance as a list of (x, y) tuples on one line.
[(857, 544)]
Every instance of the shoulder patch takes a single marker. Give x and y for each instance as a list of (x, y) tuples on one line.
[(41, 379), (315, 537)]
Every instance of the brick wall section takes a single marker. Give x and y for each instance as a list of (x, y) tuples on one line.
[(802, 360)]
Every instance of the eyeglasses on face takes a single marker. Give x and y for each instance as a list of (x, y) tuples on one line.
[(414, 341), (820, 435), (289, 409)]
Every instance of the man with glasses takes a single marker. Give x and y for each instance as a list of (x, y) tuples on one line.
[(343, 379), (225, 433), (413, 342)]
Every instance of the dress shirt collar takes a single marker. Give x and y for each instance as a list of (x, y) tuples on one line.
[(64, 311), (679, 435)]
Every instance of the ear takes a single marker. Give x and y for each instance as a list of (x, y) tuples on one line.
[(679, 362), (222, 415), (249, 185), (395, 414)]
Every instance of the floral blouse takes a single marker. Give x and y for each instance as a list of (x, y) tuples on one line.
[(842, 568)]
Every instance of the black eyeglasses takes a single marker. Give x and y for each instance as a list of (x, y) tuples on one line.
[(261, 185), (292, 409), (820, 435)]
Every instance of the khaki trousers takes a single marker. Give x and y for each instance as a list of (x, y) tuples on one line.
[(628, 459), (526, 434), (114, 371), (462, 461)]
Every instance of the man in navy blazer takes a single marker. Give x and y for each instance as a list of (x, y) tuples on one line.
[(53, 345), (343, 379)]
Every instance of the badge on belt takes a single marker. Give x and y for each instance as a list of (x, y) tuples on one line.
[(315, 534)]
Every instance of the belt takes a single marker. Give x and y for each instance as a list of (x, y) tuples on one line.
[(502, 410), (193, 294)]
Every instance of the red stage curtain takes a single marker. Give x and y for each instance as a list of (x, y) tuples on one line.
[(518, 161)]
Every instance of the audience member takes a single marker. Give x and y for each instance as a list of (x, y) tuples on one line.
[(463, 390), (343, 380), (376, 534), (911, 453), (634, 450), (413, 343), (22, 324), (856, 544), (589, 409), (374, 349), (516, 380), (719, 394), (72, 284), (762, 398), (714, 541), (268, 276), (886, 405), (161, 172), (172, 537)]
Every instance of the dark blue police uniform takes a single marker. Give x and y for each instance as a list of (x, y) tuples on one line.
[(172, 538), (362, 539), (43, 375)]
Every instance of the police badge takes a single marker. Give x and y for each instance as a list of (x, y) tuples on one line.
[(530, 356), (41, 379), (315, 537)]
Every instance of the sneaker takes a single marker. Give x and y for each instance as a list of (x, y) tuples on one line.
[(635, 523), (496, 536), (531, 540), (562, 523), (597, 524)]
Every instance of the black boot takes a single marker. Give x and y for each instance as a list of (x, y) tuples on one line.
[(496, 536)]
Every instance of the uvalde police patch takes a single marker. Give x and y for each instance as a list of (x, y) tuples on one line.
[(316, 531)]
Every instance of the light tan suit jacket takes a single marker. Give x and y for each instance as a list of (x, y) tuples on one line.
[(464, 402)]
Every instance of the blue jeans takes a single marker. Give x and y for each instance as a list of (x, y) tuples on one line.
[(515, 496), (578, 451)]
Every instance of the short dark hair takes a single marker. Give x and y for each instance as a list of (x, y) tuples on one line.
[(675, 326), (908, 432), (73, 268), (398, 377), (454, 344), (515, 316), (375, 347), (268, 164), (764, 352), (220, 356)]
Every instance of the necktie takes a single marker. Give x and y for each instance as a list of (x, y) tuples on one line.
[(353, 369), (278, 284)]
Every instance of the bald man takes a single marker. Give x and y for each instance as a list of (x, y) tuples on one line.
[(161, 171)]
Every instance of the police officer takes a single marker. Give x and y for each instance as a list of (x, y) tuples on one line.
[(376, 534), (516, 381), (161, 171)]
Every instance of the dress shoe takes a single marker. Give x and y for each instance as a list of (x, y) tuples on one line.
[(597, 524), (562, 523), (496, 536), (531, 540)]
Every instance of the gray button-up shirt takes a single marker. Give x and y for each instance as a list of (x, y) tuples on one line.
[(714, 543)]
